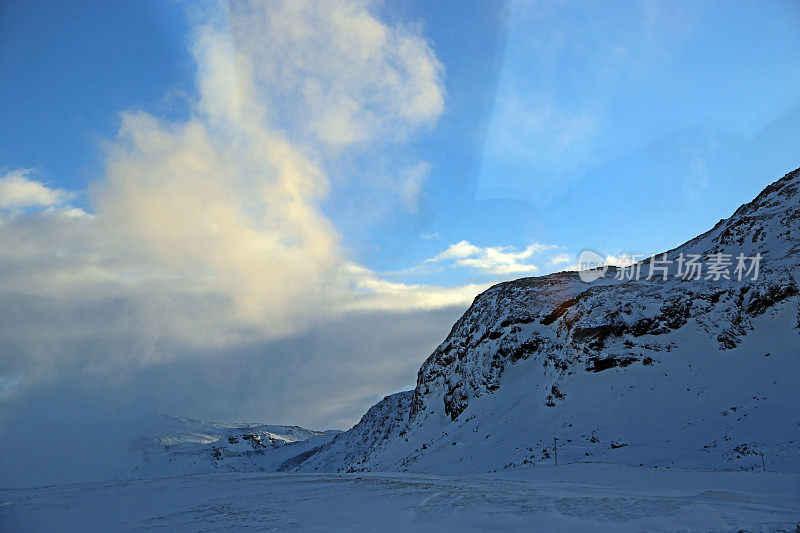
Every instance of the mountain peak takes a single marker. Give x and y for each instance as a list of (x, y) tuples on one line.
[(769, 224), (636, 371)]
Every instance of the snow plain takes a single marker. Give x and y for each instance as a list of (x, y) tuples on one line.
[(564, 498)]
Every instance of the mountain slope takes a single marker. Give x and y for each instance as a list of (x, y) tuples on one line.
[(178, 446), (697, 373)]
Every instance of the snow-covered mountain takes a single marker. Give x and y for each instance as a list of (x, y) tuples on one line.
[(693, 373), (662, 370), (180, 446)]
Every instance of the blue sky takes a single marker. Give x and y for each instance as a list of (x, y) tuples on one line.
[(70, 69), (275, 211), (562, 120)]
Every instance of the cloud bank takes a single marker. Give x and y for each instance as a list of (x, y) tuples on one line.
[(231, 197)]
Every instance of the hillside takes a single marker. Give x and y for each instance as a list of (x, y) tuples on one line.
[(669, 371)]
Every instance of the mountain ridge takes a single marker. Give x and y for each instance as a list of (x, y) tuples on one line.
[(610, 327)]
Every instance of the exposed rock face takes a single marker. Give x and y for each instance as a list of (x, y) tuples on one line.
[(595, 326), (543, 354)]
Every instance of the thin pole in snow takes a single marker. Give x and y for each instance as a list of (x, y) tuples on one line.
[(763, 466), (555, 449)]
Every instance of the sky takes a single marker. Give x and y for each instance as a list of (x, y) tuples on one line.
[(274, 211)]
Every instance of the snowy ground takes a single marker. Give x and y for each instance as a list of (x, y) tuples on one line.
[(572, 498)]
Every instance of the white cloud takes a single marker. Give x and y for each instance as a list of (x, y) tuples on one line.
[(560, 259), (458, 250), (231, 196), (497, 261), (18, 191), (334, 72), (374, 292), (210, 228)]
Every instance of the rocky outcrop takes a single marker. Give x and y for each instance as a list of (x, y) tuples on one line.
[(575, 326)]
